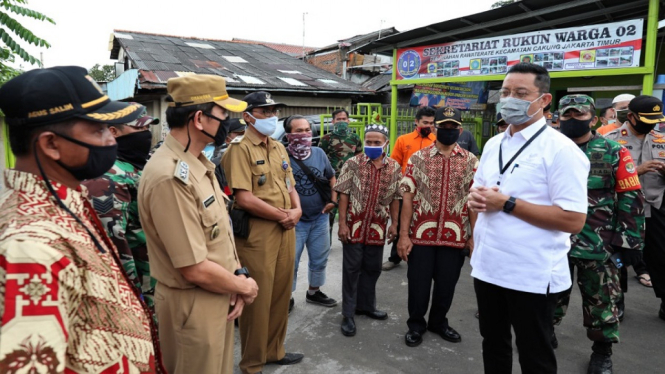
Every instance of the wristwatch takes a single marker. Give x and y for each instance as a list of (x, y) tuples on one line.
[(335, 204), (509, 205), (242, 271)]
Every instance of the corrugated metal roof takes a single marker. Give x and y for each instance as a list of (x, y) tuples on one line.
[(519, 17), (159, 56), (289, 49)]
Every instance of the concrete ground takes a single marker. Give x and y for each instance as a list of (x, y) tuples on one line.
[(378, 346)]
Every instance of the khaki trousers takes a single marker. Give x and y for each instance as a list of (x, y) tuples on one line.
[(193, 332), (269, 255)]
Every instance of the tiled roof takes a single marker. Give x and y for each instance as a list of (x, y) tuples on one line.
[(244, 65), (289, 49)]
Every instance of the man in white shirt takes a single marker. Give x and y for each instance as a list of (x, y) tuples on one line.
[(530, 191)]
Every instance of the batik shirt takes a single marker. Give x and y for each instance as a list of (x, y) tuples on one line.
[(615, 219), (66, 306), (370, 190), (441, 187), (339, 149), (114, 197)]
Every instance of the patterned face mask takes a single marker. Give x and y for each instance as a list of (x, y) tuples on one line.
[(300, 144), (340, 128)]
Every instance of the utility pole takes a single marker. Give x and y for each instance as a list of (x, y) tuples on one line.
[(303, 35)]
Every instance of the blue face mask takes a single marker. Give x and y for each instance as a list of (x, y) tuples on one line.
[(265, 126), (374, 152)]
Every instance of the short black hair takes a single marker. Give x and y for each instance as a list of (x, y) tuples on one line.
[(542, 80), (21, 138), (603, 111), (426, 111), (338, 111), (177, 117), (290, 119)]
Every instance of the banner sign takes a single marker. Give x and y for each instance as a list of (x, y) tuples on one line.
[(463, 96), (609, 45)]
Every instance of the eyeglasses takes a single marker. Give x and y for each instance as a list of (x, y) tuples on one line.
[(582, 99), (267, 112), (520, 94)]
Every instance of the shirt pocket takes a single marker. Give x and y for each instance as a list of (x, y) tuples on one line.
[(658, 153), (261, 177), (600, 176)]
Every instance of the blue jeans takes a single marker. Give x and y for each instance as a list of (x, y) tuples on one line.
[(315, 235)]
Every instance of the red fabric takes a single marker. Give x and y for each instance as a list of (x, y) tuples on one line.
[(627, 179)]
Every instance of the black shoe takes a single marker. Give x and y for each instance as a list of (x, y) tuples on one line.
[(600, 364), (292, 303), (375, 314), (413, 338), (348, 326), (288, 359), (661, 312), (554, 341), (448, 333), (320, 298)]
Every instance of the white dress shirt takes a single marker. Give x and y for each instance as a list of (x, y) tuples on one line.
[(513, 253)]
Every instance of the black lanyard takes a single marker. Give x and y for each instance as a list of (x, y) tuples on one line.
[(503, 169)]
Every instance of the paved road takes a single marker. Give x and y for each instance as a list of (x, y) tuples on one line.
[(378, 346)]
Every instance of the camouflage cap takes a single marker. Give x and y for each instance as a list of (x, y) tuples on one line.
[(144, 119), (582, 103)]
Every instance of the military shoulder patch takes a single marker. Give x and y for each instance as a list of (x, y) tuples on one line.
[(656, 134), (182, 172), (237, 139)]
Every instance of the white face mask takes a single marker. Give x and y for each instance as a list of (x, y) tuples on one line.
[(265, 126), (611, 121), (516, 111)]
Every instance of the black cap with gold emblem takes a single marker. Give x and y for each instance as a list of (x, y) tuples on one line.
[(45, 96), (447, 114), (648, 109), (258, 99)]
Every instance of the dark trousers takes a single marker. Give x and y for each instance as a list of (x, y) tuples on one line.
[(654, 251), (361, 268), (394, 257), (530, 315), (442, 265)]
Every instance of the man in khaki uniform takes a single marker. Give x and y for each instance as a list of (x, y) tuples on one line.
[(201, 287), (258, 171)]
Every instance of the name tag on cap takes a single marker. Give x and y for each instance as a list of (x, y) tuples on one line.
[(208, 201)]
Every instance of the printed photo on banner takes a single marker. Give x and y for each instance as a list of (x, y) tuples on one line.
[(603, 46), (463, 96)]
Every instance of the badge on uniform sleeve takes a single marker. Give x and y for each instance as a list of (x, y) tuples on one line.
[(215, 232), (182, 172), (288, 183), (285, 165)]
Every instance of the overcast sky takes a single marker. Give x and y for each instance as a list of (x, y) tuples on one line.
[(83, 27)]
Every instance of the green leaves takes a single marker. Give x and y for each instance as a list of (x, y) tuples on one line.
[(10, 25)]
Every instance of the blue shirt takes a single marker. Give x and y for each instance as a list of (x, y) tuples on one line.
[(310, 199)]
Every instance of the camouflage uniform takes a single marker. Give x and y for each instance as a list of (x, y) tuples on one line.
[(114, 197), (615, 221), (340, 145), (340, 148)]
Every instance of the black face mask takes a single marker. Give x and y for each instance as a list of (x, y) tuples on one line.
[(642, 128), (622, 116), (134, 148), (100, 160), (425, 131), (222, 131), (447, 136), (575, 128)]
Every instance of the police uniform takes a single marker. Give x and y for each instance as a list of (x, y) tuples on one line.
[(185, 221), (653, 184), (269, 252)]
